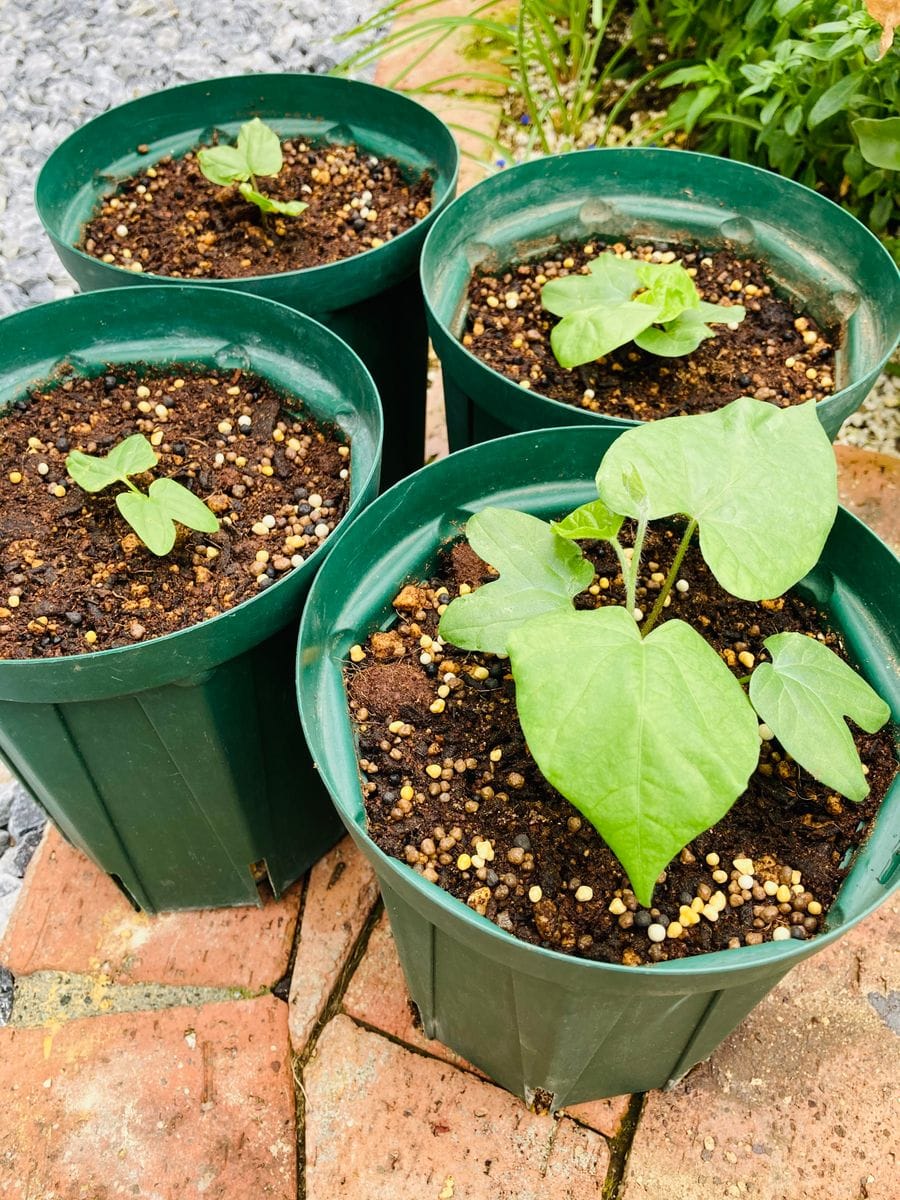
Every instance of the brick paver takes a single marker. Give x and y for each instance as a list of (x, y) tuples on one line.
[(801, 1102), (869, 485), (71, 917), (384, 1123), (170, 1105), (377, 996), (341, 893)]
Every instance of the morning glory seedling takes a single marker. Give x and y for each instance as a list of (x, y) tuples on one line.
[(620, 300), (643, 727), (258, 152), (152, 515)]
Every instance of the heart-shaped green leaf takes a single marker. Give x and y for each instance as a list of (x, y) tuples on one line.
[(621, 300), (132, 456), (148, 520), (183, 506), (610, 280), (593, 520), (94, 472), (678, 337), (597, 310), (223, 165), (803, 696), (539, 572), (598, 329), (759, 480), (686, 332), (260, 147), (670, 289), (651, 739)]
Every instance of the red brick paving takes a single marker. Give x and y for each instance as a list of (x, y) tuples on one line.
[(869, 485), (801, 1102), (71, 917), (189, 1102), (384, 1123), (378, 997), (341, 893)]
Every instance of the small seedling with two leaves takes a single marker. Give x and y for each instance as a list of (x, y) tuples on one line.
[(152, 514), (620, 300), (642, 726), (258, 152)]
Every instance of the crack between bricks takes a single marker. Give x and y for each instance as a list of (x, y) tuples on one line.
[(330, 1009), (620, 1148), (281, 988), (557, 1117)]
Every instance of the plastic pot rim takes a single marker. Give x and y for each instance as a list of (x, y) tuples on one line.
[(357, 493), (454, 911), (457, 348), (313, 274)]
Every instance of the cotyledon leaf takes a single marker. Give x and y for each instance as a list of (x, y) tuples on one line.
[(803, 696), (651, 739), (94, 472), (261, 147), (759, 480), (148, 520), (539, 572), (183, 506)]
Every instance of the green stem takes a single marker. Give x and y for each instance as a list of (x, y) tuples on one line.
[(262, 216), (129, 484), (637, 550), (624, 564), (666, 588)]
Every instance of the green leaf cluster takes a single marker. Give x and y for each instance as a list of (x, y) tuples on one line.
[(620, 300), (778, 83), (799, 86), (152, 515), (257, 152), (643, 727)]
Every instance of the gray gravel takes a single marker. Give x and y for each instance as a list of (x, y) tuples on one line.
[(63, 63), (21, 827)]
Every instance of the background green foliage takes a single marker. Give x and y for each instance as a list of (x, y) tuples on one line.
[(781, 83), (792, 85)]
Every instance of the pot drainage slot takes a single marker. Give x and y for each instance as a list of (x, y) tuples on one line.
[(263, 880)]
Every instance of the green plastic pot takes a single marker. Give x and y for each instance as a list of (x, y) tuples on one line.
[(178, 762), (821, 255), (372, 300), (533, 1018)]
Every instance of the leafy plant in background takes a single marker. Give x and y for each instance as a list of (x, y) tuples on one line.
[(620, 300), (257, 152), (803, 87), (566, 43), (152, 515), (642, 726)]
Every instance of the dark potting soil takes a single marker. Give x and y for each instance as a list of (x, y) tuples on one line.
[(73, 574), (774, 354), (451, 788), (171, 220)]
